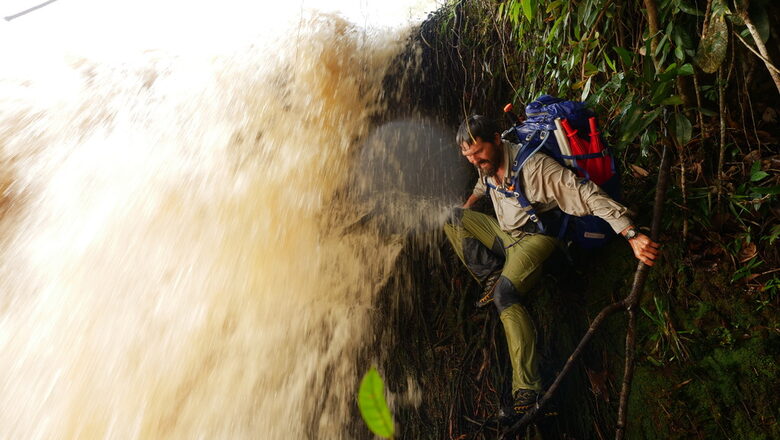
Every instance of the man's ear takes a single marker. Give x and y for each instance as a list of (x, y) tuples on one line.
[(497, 139)]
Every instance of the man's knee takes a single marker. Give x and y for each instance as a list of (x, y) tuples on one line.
[(505, 294)]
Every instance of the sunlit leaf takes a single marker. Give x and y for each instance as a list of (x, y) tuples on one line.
[(529, 9), (372, 404), (586, 90), (554, 6), (610, 63), (714, 40)]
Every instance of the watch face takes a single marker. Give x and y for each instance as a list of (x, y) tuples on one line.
[(631, 234)]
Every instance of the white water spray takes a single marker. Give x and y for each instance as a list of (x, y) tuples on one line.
[(176, 260)]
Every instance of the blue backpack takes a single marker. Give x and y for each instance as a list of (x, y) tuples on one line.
[(587, 156)]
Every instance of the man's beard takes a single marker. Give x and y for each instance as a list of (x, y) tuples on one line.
[(488, 168)]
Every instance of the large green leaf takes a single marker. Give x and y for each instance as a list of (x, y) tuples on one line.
[(682, 129), (554, 31), (372, 404), (714, 40), (529, 9)]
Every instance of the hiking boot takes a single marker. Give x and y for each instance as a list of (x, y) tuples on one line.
[(524, 401), (488, 286)]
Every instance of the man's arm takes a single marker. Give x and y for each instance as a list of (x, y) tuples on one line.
[(471, 201), (573, 197)]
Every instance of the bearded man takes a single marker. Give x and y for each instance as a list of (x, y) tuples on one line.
[(505, 254)]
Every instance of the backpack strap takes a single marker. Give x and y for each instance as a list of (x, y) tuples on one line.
[(526, 151)]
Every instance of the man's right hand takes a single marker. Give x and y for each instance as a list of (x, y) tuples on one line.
[(645, 249)]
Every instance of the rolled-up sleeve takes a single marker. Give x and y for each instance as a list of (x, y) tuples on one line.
[(553, 182), (480, 188)]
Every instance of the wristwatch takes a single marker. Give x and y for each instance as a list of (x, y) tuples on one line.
[(631, 233)]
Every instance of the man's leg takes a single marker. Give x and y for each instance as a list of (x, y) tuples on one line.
[(522, 271), (473, 236)]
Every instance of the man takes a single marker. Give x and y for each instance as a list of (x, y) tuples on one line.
[(505, 254)]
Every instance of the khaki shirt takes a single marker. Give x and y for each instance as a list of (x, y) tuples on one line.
[(548, 184)]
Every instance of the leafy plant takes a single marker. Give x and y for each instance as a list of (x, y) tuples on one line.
[(373, 406), (668, 342)]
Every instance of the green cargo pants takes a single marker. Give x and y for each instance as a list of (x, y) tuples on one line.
[(484, 248)]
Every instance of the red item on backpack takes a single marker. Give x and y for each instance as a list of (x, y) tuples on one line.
[(598, 167)]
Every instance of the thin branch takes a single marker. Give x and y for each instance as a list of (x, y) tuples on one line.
[(766, 61), (632, 301), (27, 11), (531, 415), (743, 14), (722, 115)]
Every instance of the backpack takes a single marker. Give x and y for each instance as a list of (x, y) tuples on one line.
[(567, 132)]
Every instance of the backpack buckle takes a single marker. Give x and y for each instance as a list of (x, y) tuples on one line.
[(534, 218)]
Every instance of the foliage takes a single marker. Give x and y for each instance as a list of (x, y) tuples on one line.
[(373, 407), (713, 310)]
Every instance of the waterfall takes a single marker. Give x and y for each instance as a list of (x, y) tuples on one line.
[(189, 243)]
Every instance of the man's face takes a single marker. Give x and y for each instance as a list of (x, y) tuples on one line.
[(484, 155)]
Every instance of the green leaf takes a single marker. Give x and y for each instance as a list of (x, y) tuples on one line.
[(586, 90), (554, 31), (590, 69), (685, 70), (672, 100), (637, 123), (714, 40), (772, 190), (661, 45), (669, 73), (529, 9), (682, 129), (554, 5), (661, 90), (679, 55), (755, 172), (626, 56), (610, 63), (755, 177), (372, 404)]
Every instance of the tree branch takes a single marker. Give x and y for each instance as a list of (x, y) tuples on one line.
[(632, 301), (743, 14)]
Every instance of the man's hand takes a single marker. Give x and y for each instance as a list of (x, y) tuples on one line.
[(645, 249)]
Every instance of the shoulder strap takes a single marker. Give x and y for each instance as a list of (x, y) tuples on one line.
[(527, 149)]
